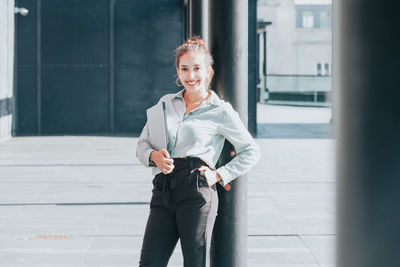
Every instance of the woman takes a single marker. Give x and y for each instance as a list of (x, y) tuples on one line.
[(185, 201)]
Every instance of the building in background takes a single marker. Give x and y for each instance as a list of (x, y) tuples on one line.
[(298, 51)]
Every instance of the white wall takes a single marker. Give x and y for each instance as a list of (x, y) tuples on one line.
[(313, 46), (6, 64)]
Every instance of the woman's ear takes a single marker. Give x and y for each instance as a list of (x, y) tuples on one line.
[(210, 74)]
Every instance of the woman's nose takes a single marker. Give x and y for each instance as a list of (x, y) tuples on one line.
[(191, 74)]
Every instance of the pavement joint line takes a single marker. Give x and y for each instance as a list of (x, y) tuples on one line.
[(140, 235), (76, 204), (90, 245), (140, 182), (295, 124), (290, 235), (37, 193), (69, 182), (291, 182), (74, 182), (311, 251), (68, 165), (100, 236)]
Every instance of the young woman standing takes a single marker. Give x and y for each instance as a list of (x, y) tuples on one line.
[(185, 201)]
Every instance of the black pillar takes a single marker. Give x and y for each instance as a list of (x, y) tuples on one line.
[(198, 18), (367, 95), (229, 46), (253, 68)]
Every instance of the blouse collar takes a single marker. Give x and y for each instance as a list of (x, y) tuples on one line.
[(213, 99)]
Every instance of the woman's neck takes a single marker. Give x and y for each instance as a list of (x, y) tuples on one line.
[(195, 97)]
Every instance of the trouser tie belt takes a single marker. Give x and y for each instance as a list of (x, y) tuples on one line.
[(170, 181)]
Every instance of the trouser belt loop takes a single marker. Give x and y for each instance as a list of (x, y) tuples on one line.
[(166, 191), (191, 163)]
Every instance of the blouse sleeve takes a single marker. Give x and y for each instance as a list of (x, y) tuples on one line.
[(247, 150), (144, 149)]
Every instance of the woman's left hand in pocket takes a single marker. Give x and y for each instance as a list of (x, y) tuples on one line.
[(212, 177)]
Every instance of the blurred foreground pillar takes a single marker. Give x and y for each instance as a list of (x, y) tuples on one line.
[(229, 46), (367, 86)]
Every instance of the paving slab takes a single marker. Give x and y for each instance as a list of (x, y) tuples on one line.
[(83, 201)]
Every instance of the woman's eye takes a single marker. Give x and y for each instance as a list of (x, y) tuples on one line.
[(183, 69)]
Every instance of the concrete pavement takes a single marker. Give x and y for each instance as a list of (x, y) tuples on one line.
[(83, 201)]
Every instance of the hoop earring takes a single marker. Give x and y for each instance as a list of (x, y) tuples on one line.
[(177, 82)]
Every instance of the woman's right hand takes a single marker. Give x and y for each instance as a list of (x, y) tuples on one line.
[(163, 161)]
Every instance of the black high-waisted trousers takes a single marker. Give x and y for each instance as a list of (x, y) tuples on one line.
[(183, 207)]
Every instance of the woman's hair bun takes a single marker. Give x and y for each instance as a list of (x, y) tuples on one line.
[(196, 40)]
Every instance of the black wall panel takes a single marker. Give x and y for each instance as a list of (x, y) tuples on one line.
[(27, 101), (75, 66), (26, 69), (146, 35), (75, 32), (75, 101), (93, 67)]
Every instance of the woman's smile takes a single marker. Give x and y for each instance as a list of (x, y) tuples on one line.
[(192, 82)]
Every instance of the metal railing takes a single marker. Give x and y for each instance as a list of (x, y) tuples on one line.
[(296, 88)]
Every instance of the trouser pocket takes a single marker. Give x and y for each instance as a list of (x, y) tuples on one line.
[(202, 186), (202, 179)]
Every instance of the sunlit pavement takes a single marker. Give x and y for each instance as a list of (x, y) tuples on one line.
[(83, 201)]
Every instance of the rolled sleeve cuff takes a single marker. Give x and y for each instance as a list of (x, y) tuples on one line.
[(225, 176), (147, 157)]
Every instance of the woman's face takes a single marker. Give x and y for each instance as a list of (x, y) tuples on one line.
[(193, 71)]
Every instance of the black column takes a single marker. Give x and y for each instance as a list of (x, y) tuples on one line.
[(253, 68), (198, 18), (367, 95), (229, 46)]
